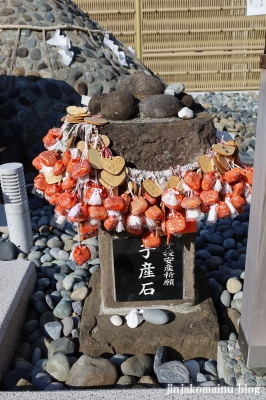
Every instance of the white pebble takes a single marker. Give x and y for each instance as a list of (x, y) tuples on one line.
[(133, 318), (233, 285), (116, 320), (186, 113)]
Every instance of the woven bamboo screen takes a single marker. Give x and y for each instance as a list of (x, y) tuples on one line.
[(206, 44)]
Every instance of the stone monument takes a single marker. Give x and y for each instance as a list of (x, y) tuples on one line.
[(134, 277)]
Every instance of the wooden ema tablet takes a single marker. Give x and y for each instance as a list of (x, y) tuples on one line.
[(205, 164), (218, 167), (113, 165), (95, 121), (223, 162), (173, 181), (94, 158), (73, 110), (113, 180), (224, 150), (152, 188)]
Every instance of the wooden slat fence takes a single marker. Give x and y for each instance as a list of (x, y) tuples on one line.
[(206, 44)]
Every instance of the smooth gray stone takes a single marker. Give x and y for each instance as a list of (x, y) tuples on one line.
[(58, 367), (63, 309), (160, 357), (225, 298), (77, 307), (41, 381), (35, 255), (53, 329), (194, 369), (68, 325), (63, 255), (39, 367), (156, 316), (62, 345), (175, 88), (54, 386), (55, 243), (211, 367), (173, 372), (36, 355)]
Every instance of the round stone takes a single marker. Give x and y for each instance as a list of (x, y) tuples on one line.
[(53, 329), (160, 357), (137, 366), (142, 85), (155, 316), (119, 105), (233, 285), (63, 309), (126, 381), (68, 282), (63, 345), (68, 325), (77, 307), (116, 320), (225, 298), (79, 294), (175, 88), (160, 106)]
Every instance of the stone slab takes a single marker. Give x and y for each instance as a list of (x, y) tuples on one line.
[(193, 333), (17, 281), (171, 141), (3, 222)]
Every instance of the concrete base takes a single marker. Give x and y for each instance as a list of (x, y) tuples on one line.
[(17, 281), (193, 333)]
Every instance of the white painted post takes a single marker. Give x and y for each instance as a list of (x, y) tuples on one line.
[(252, 329), (16, 205)]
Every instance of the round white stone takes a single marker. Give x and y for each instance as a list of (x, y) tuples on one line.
[(233, 285), (116, 320), (186, 113)]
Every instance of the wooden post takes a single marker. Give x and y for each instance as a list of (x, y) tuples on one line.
[(139, 29), (252, 329)]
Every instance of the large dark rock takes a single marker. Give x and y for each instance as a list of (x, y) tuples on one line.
[(95, 105), (157, 145), (186, 100), (92, 372), (119, 105), (160, 106), (142, 85)]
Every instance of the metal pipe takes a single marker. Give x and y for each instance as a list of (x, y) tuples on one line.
[(16, 205)]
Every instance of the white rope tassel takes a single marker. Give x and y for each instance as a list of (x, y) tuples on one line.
[(169, 198), (151, 224), (119, 227), (95, 199), (192, 214), (212, 215), (233, 211), (134, 222)]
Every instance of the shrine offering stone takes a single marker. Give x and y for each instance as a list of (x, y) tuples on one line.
[(119, 105), (160, 106), (142, 85)]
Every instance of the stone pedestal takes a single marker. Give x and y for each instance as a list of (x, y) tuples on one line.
[(192, 332), (153, 144)]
